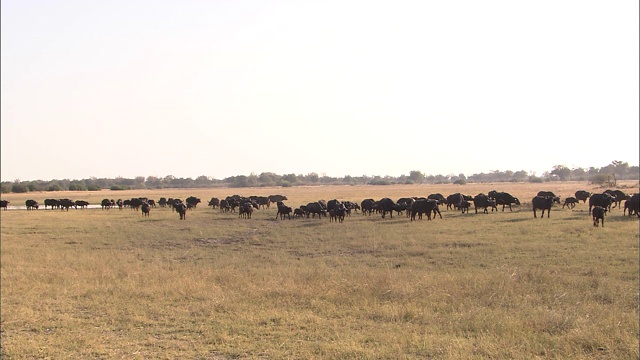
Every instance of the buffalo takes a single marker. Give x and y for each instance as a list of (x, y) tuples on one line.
[(65, 204), (105, 204), (192, 202), (424, 206), (504, 199), (81, 203), (543, 203), (276, 198), (598, 214), (570, 202), (214, 202), (181, 209), (315, 208), (554, 197), (618, 196), (582, 195), (633, 205), (283, 210), (31, 204), (482, 201), (604, 200), (367, 206), (385, 205), (245, 210), (146, 209), (54, 203), (4, 204)]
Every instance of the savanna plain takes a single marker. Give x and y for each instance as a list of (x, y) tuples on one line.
[(112, 284)]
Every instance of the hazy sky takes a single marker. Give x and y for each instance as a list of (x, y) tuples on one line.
[(224, 88)]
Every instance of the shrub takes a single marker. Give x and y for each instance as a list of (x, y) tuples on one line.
[(19, 188), (535, 179), (94, 188), (460, 182)]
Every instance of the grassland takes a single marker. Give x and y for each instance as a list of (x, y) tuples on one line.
[(110, 284)]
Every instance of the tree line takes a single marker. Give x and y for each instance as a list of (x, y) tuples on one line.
[(606, 175)]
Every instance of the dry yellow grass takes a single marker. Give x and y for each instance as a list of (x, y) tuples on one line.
[(112, 284)]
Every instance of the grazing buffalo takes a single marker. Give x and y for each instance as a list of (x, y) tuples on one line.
[(151, 203), (598, 214), (262, 201), (454, 200), (482, 201), (570, 202), (582, 195), (315, 208), (4, 204), (424, 206), (135, 203), (504, 199), (31, 204), (283, 210), (54, 203), (350, 205), (604, 200), (81, 203), (618, 196), (181, 209), (65, 204), (464, 206), (438, 197), (367, 206), (120, 204), (162, 202), (214, 202), (105, 204), (551, 194), (146, 209), (224, 206), (245, 210), (633, 205), (299, 212), (543, 203)]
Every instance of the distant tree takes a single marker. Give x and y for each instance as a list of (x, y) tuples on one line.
[(416, 176), (313, 178), (19, 188), (562, 172)]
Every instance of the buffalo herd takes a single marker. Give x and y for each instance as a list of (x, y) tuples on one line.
[(599, 205)]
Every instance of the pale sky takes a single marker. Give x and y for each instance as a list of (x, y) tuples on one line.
[(223, 88)]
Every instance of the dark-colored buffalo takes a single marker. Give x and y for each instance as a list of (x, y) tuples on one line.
[(192, 202), (551, 194), (618, 196), (214, 202), (81, 203), (482, 201), (570, 202), (543, 203), (424, 206), (31, 204), (181, 209), (4, 204), (54, 203), (315, 208), (633, 205), (598, 214), (385, 205), (367, 206), (146, 209), (582, 195), (283, 210), (504, 199), (604, 200), (276, 198), (65, 204)]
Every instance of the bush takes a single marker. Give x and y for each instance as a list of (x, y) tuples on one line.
[(119, 187), (460, 182), (54, 187), (94, 188), (535, 179), (19, 188)]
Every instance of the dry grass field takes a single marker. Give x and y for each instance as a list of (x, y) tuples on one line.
[(111, 284)]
